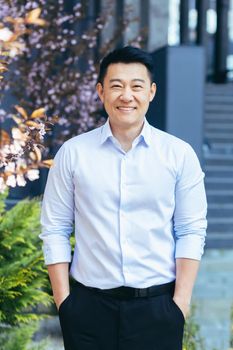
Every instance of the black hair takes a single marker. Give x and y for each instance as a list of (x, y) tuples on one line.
[(127, 54)]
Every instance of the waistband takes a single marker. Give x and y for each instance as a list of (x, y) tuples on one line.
[(130, 292)]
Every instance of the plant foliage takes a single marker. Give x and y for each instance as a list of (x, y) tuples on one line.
[(20, 338), (23, 276), (192, 339)]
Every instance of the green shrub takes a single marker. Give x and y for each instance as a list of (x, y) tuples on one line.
[(231, 338), (192, 339), (23, 277), (20, 338)]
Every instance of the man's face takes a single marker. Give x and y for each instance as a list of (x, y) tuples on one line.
[(126, 93)]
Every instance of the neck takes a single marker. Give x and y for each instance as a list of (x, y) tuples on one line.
[(126, 135)]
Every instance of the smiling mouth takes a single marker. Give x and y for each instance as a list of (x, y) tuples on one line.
[(126, 109)]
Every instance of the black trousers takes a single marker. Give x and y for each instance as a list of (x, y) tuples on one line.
[(94, 321)]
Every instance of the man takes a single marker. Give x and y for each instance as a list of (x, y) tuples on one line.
[(137, 198)]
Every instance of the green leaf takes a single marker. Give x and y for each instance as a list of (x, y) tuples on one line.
[(24, 283)]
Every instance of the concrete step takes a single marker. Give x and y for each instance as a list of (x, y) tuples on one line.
[(218, 162), (217, 171), (210, 175), (214, 98), (219, 180), (216, 108), (213, 155), (222, 127), (220, 147), (223, 210), (218, 151), (222, 220), (220, 183), (219, 89), (219, 213), (219, 235), (220, 240), (219, 138), (224, 102), (219, 199), (217, 148), (218, 120), (219, 186), (219, 154), (225, 168), (220, 227), (219, 93), (217, 192), (218, 117), (220, 224), (214, 135), (219, 196), (212, 112), (221, 206)]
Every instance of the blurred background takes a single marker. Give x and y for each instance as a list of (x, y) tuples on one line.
[(50, 52)]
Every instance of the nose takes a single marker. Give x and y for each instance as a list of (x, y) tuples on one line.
[(126, 95)]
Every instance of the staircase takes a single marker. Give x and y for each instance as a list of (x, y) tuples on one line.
[(218, 164)]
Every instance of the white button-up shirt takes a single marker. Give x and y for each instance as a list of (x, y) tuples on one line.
[(134, 212)]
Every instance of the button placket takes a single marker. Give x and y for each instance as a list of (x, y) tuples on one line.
[(123, 220)]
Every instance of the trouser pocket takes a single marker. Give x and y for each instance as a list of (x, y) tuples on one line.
[(63, 304), (177, 310)]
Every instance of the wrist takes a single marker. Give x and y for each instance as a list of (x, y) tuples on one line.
[(183, 299), (58, 299), (183, 303)]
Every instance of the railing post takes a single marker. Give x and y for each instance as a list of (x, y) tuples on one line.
[(184, 22), (221, 42), (201, 7)]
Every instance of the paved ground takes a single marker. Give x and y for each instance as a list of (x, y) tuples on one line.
[(213, 297), (50, 332)]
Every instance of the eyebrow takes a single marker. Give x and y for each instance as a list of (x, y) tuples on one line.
[(120, 81)]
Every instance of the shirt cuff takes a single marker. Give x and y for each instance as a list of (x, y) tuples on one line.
[(57, 253), (190, 247)]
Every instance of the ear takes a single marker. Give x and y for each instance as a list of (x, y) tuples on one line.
[(153, 89), (100, 91)]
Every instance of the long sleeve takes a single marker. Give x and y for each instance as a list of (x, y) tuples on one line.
[(57, 214), (190, 208)]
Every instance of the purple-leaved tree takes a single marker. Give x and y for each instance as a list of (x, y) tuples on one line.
[(55, 74)]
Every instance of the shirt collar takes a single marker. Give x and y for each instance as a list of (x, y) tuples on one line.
[(106, 132)]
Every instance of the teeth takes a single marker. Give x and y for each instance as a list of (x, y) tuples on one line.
[(126, 108)]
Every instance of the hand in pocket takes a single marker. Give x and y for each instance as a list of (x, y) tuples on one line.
[(63, 300)]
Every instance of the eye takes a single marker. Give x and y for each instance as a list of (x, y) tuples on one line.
[(116, 86), (137, 87)]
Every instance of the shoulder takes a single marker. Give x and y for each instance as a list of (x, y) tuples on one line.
[(83, 139), (169, 141), (73, 148), (178, 153)]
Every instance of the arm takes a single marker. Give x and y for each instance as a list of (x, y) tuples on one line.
[(57, 216), (189, 227), (186, 273), (59, 278)]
